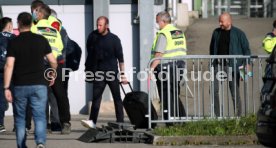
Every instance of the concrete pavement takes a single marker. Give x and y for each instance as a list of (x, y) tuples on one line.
[(8, 139)]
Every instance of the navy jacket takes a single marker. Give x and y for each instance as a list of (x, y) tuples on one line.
[(5, 37)]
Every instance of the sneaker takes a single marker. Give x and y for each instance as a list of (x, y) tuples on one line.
[(2, 128), (55, 127), (40, 146), (66, 129), (88, 123)]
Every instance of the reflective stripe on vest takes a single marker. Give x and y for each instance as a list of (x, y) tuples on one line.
[(176, 42), (51, 34)]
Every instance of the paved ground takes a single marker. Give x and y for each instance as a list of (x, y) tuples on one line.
[(7, 139)]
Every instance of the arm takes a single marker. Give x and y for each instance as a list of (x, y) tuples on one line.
[(52, 60), (160, 48), (246, 51), (8, 69), (53, 63), (244, 44), (120, 56), (123, 76), (91, 40), (89, 43), (156, 62), (211, 47)]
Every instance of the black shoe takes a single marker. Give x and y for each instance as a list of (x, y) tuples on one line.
[(55, 127), (66, 128), (2, 128)]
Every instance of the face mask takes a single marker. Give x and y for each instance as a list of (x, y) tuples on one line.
[(157, 26), (34, 16)]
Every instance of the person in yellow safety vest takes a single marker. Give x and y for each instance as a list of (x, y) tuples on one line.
[(54, 124), (43, 27), (269, 41), (52, 18), (170, 42)]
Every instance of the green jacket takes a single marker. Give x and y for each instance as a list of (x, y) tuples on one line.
[(238, 44)]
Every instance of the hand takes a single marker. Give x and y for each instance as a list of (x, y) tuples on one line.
[(151, 75), (8, 95), (52, 82), (124, 79), (250, 74)]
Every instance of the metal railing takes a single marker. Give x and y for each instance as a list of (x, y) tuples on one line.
[(206, 87)]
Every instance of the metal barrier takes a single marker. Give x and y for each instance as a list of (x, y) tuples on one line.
[(207, 87)]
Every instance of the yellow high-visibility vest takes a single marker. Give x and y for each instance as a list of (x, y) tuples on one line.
[(52, 19), (44, 28), (176, 42), (269, 43)]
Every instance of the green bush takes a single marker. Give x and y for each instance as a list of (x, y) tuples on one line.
[(238, 126)]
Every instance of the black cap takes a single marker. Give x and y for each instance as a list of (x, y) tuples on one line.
[(274, 24)]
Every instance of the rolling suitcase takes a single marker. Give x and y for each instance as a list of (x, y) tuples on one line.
[(136, 106)]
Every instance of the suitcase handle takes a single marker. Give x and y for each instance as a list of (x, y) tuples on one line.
[(123, 87)]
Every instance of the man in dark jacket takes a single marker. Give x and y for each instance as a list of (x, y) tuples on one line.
[(229, 40), (6, 28), (105, 53)]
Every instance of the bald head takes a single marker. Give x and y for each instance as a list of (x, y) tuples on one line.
[(225, 21)]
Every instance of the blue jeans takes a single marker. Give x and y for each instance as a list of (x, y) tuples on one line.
[(3, 102), (36, 95)]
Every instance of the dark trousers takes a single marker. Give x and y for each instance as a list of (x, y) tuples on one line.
[(61, 97), (98, 88), (168, 81), (234, 83), (3, 102), (52, 102), (54, 113)]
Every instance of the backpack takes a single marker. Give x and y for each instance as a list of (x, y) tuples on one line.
[(72, 51), (73, 55)]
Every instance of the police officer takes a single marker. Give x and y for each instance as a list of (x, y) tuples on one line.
[(170, 42), (269, 41), (45, 28)]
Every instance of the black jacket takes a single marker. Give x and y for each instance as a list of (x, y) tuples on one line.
[(104, 52), (5, 37)]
